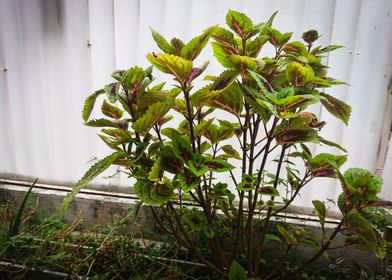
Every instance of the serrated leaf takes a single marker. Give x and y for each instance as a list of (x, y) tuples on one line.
[(331, 144), (202, 96), (222, 54), (156, 171), (239, 23), (162, 43), (321, 211), (296, 136), (171, 64), (215, 165), (310, 36), (336, 107), (170, 162), (194, 221), (177, 44), (152, 116), (296, 48), (268, 190), (272, 237), (133, 78), (230, 100), (103, 123), (290, 238), (202, 127), (243, 63), (89, 104), (154, 194), (111, 111), (237, 272), (108, 142), (208, 232), (188, 181), (192, 49), (299, 74), (197, 71), (357, 224), (93, 172), (254, 47), (197, 169), (360, 178), (229, 150), (224, 80), (329, 48)]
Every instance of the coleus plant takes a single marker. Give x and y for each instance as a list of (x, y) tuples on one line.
[(176, 167)]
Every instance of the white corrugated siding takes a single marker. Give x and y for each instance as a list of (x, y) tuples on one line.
[(53, 53)]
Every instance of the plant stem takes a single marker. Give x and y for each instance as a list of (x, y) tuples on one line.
[(269, 214), (192, 246), (320, 252)]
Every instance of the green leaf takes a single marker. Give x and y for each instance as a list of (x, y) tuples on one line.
[(239, 23), (325, 159), (336, 107), (268, 190), (208, 232), (369, 183), (296, 48), (153, 193), (156, 171), (178, 45), (296, 136), (162, 43), (321, 210), (216, 165), (224, 80), (310, 36), (272, 237), (93, 172), (103, 123), (229, 150), (111, 111), (170, 162), (237, 272), (202, 96), (171, 64), (357, 224), (191, 50), (222, 54), (194, 221), (188, 181), (152, 116), (181, 147), (197, 169), (108, 142), (225, 38), (229, 100), (112, 91), (202, 127), (89, 104), (133, 78), (290, 238), (299, 74), (243, 63), (271, 19), (329, 48), (253, 48), (331, 144), (16, 220)]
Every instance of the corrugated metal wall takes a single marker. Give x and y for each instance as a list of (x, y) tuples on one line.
[(53, 53)]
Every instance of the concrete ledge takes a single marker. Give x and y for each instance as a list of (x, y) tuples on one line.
[(99, 207)]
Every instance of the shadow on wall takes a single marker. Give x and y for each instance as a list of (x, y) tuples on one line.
[(52, 15)]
